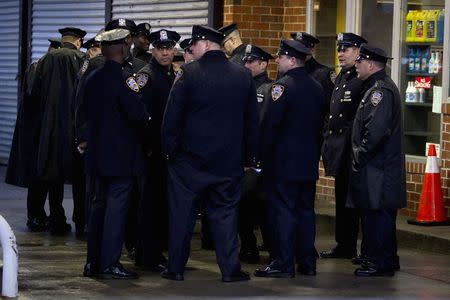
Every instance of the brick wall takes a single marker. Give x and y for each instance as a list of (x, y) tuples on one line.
[(263, 23)]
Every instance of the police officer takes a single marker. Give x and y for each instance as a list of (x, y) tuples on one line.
[(132, 64), (378, 162), (92, 48), (187, 52), (324, 75), (156, 80), (251, 207), (53, 88), (115, 154), (208, 134), (141, 40), (290, 142), (232, 43), (337, 147), (21, 158)]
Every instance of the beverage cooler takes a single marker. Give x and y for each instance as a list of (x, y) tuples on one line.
[(421, 72)]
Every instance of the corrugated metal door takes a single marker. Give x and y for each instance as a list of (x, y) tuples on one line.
[(50, 15), (170, 14), (9, 62)]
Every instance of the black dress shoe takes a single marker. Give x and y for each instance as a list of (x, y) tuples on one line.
[(272, 272), (251, 257), (117, 272), (172, 276), (359, 259), (240, 276), (336, 253), (155, 268), (37, 225), (372, 272), (90, 270), (306, 271), (60, 229)]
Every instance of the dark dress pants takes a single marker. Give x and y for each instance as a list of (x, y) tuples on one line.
[(291, 215), (107, 220), (37, 194), (382, 245), (187, 186), (347, 219), (248, 211), (79, 191)]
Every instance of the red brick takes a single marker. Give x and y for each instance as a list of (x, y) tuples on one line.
[(242, 9), (261, 10)]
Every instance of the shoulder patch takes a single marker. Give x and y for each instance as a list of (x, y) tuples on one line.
[(141, 79), (84, 66), (132, 84), (277, 91), (333, 76), (178, 75), (376, 97)]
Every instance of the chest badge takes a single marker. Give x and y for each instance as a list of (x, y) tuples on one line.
[(132, 84), (260, 98), (84, 67), (277, 91), (376, 97), (141, 79)]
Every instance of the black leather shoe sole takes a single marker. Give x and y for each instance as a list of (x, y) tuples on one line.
[(240, 277), (116, 276), (307, 272), (172, 276), (274, 275), (373, 273)]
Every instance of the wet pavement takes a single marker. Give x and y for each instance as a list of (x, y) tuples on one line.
[(51, 268)]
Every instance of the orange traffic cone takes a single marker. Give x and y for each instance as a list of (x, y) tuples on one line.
[(431, 207)]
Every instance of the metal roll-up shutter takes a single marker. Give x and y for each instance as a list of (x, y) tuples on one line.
[(50, 15), (170, 14), (9, 62)]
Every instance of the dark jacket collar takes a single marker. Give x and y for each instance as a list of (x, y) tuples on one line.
[(370, 81), (214, 53), (69, 46), (296, 71), (239, 49), (261, 78)]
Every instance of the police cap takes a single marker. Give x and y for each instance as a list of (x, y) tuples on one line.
[(112, 37), (255, 53), (72, 31), (228, 29), (164, 37), (121, 23), (143, 28), (55, 43), (349, 39), (90, 43), (372, 53), (305, 38), (186, 43), (206, 33), (293, 48)]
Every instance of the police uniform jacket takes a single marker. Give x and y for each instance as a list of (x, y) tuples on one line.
[(132, 65), (155, 81), (338, 125), (291, 129), (211, 119), (143, 55), (53, 88), (238, 54), (116, 118), (378, 163), (263, 85), (26, 133), (324, 75)]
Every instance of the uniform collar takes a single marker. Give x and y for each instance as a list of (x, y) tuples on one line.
[(370, 81), (69, 46), (261, 78), (298, 70), (156, 64), (112, 64), (214, 53), (239, 49), (311, 64)]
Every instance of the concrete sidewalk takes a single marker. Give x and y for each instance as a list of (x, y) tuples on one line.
[(51, 267)]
